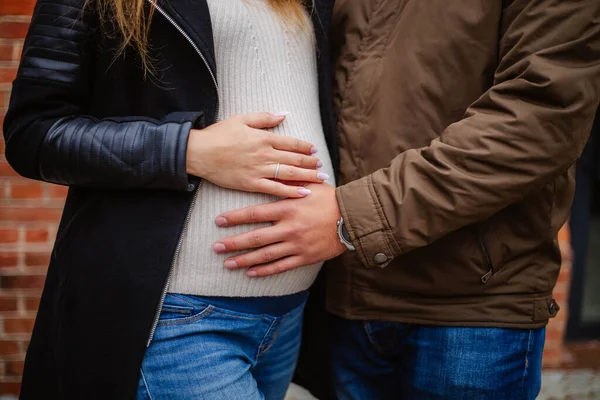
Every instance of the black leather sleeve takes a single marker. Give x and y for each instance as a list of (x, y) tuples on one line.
[(48, 137), (84, 151)]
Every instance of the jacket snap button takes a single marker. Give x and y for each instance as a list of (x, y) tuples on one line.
[(380, 258), (552, 308), (191, 187)]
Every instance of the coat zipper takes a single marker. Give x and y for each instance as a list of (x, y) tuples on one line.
[(197, 190), (485, 278), (185, 35)]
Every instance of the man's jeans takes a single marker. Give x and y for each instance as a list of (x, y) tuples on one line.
[(374, 360), (201, 351)]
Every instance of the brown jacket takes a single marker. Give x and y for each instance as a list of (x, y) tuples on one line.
[(459, 125)]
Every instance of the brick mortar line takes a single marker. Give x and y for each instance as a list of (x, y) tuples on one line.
[(20, 249), (18, 314), (15, 337), (17, 48), (7, 189), (9, 42), (12, 357), (16, 292), (29, 270), (32, 247), (30, 224), (34, 203), (10, 379), (15, 18), (21, 308)]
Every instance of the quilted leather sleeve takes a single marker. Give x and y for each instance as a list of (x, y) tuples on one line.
[(84, 151), (49, 137)]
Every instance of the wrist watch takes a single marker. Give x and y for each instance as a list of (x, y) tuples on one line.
[(343, 235)]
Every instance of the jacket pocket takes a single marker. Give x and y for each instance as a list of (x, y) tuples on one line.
[(486, 256)]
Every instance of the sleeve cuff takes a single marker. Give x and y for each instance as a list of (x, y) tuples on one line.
[(187, 121), (366, 223), (184, 180)]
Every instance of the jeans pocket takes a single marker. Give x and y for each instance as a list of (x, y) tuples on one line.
[(177, 311), (386, 337), (142, 391)]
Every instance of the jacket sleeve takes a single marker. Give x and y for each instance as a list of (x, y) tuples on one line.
[(527, 129), (47, 132)]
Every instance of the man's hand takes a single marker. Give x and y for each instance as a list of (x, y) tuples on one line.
[(304, 233)]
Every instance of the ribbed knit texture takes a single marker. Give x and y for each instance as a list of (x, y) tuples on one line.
[(264, 63)]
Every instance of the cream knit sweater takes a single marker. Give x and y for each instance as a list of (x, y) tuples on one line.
[(263, 64)]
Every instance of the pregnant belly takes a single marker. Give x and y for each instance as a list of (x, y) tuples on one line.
[(214, 200), (199, 270)]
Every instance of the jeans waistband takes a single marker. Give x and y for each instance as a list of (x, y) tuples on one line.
[(272, 305)]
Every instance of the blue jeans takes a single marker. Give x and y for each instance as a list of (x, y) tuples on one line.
[(202, 351), (374, 360)]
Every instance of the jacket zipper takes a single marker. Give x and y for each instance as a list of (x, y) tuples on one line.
[(185, 35), (197, 190), (485, 278)]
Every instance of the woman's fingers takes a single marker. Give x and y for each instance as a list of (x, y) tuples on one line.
[(297, 160), (295, 174), (287, 143), (281, 189), (261, 120)]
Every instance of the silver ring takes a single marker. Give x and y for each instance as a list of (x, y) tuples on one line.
[(277, 170)]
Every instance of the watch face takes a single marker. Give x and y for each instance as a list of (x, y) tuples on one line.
[(345, 233)]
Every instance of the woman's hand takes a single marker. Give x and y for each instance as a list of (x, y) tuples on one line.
[(239, 154)]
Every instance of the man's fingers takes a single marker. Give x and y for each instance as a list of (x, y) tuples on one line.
[(277, 267), (297, 160), (295, 145), (261, 120), (270, 212), (252, 240), (260, 256)]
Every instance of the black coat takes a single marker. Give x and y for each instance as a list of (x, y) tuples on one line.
[(82, 118)]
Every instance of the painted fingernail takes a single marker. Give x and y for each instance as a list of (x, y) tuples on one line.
[(319, 164), (230, 264), (304, 192), (281, 114), (313, 150), (219, 247), (221, 221), (251, 273), (322, 176)]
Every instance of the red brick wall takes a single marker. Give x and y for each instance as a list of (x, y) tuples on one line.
[(28, 219), (29, 215)]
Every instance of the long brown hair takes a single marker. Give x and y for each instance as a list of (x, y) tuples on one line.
[(132, 18)]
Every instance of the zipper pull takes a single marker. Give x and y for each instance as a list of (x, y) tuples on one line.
[(487, 276)]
